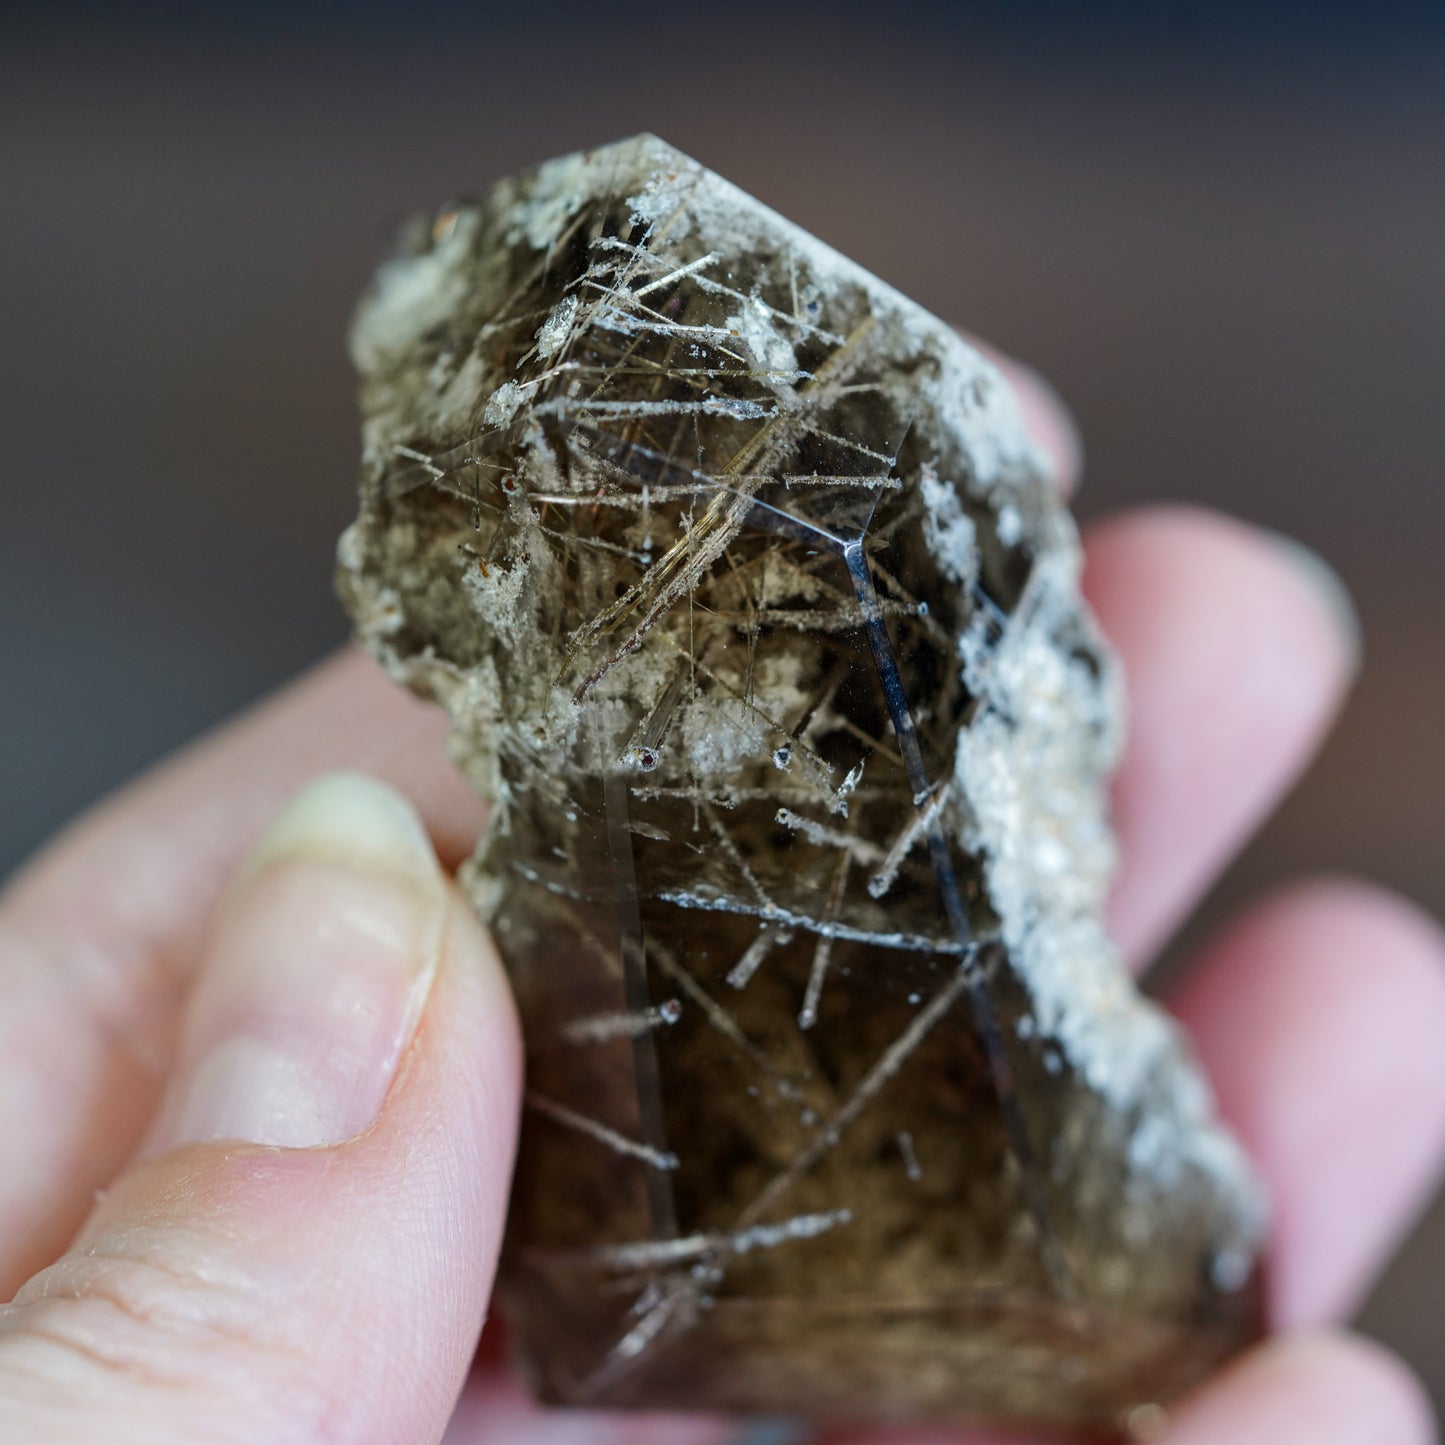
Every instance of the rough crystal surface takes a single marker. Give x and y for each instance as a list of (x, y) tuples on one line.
[(757, 617)]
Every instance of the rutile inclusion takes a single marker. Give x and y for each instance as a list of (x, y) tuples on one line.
[(758, 620)]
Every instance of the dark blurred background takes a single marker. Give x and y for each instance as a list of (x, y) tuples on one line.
[(1219, 228)]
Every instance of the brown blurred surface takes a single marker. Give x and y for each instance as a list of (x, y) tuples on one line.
[(1227, 255)]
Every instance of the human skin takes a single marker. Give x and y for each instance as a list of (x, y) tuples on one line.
[(257, 1118)]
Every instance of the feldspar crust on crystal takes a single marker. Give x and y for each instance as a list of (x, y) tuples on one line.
[(757, 617)]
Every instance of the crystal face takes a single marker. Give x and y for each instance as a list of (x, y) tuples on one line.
[(757, 617)]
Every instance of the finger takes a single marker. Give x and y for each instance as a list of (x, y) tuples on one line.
[(1319, 1017), (308, 1250), (1045, 417), (1237, 648), (98, 935), (1327, 1390)]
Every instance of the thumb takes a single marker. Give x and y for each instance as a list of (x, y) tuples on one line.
[(306, 1249)]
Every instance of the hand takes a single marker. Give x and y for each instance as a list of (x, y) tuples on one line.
[(336, 1007)]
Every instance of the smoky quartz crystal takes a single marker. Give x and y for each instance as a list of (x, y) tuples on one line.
[(758, 620)]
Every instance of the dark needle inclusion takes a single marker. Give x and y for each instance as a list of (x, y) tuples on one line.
[(757, 616)]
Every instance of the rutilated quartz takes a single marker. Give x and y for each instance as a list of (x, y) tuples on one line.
[(758, 620)]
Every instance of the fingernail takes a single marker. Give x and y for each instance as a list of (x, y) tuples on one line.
[(317, 971), (1330, 589)]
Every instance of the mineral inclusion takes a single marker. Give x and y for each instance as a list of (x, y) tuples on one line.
[(757, 617)]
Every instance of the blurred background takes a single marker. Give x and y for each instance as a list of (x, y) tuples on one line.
[(1219, 228)]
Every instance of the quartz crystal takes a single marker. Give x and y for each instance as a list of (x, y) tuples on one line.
[(757, 616)]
